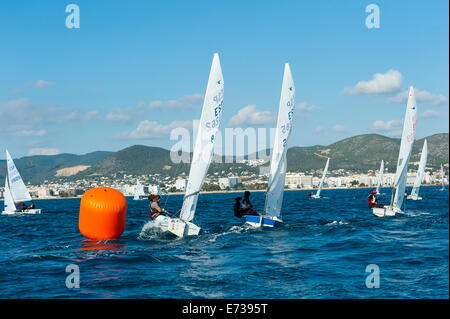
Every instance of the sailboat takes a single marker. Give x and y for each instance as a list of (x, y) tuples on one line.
[(15, 191), (380, 177), (201, 158), (278, 163), (317, 195), (139, 191), (442, 178), (408, 136), (420, 171)]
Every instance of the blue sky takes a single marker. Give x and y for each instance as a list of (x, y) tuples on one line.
[(146, 62)]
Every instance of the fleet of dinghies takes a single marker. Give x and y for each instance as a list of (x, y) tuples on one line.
[(15, 191), (183, 225)]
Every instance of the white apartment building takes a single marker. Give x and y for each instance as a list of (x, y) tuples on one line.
[(229, 182)]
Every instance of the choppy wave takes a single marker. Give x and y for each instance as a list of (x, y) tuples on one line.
[(320, 251)]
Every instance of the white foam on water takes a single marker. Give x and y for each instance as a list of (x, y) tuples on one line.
[(149, 231), (337, 222), (237, 229)]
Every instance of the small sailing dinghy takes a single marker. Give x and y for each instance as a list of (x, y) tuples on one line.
[(201, 158), (408, 136), (380, 177), (139, 191), (15, 191), (274, 195), (317, 195), (442, 178), (420, 171)]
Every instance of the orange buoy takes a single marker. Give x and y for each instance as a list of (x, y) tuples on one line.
[(103, 213)]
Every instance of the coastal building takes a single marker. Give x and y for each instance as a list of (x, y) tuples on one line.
[(229, 182), (297, 180), (180, 184), (154, 189)]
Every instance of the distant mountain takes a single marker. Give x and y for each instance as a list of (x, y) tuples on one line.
[(364, 152), (37, 168), (357, 153)]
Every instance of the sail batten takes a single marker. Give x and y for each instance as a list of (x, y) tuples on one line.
[(408, 136), (322, 180), (204, 142), (420, 170), (277, 174), (18, 190)]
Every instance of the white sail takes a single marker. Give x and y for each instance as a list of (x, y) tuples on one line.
[(323, 177), (274, 198), (204, 143), (380, 177), (420, 170), (408, 136), (17, 187), (9, 201), (139, 190)]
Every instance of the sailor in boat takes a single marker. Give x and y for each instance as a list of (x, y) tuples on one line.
[(237, 207), (372, 199), (155, 209), (309, 194), (31, 206), (21, 207), (247, 207)]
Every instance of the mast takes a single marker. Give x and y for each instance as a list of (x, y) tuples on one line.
[(278, 163), (204, 143)]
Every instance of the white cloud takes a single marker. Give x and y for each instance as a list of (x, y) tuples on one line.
[(305, 106), (44, 151), (251, 116), (20, 117), (91, 115), (380, 83), (319, 129), (339, 128), (39, 84), (396, 133), (119, 115), (28, 133), (429, 114), (150, 129), (421, 96), (185, 102), (382, 126)]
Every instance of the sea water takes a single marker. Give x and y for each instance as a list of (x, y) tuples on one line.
[(321, 250)]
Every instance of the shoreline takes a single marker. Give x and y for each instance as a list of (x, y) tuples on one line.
[(241, 191)]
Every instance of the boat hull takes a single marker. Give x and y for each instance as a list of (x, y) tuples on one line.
[(176, 226), (386, 211), (413, 197), (27, 211), (261, 221), (315, 196)]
